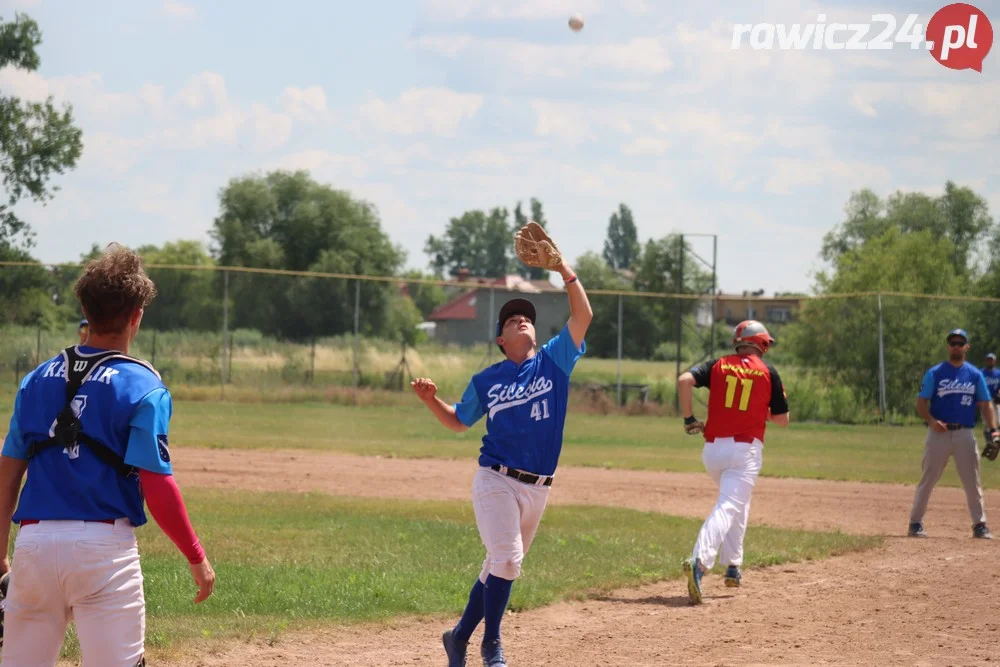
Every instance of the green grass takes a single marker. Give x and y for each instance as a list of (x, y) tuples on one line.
[(861, 453), (291, 560)]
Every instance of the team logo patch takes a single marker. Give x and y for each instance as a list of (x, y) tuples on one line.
[(161, 443)]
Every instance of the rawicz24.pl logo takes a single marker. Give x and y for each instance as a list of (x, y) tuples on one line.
[(958, 36)]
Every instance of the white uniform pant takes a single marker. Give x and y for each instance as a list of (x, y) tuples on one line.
[(507, 514), (735, 467), (87, 572)]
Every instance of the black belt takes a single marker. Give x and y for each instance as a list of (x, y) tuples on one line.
[(525, 477), (956, 427)]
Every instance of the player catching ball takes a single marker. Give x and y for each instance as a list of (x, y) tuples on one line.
[(524, 401), (744, 393)]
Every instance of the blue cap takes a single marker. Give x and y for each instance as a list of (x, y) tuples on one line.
[(958, 332)]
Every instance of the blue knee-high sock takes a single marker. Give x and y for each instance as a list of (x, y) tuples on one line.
[(495, 598), (473, 613)]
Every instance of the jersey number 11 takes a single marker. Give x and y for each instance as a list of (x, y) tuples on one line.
[(746, 386)]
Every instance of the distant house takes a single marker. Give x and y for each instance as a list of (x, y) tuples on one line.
[(734, 308), (469, 317)]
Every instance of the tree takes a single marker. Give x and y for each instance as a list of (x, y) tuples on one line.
[(476, 241), (959, 215), (186, 299), (839, 335), (36, 139), (426, 296), (621, 248), (286, 220), (638, 330)]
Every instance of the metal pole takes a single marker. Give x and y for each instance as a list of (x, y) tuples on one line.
[(357, 326), (312, 367), (225, 324), (680, 290), (715, 243), (881, 363), (490, 330), (619, 349)]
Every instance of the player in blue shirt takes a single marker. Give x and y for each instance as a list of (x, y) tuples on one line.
[(524, 401), (90, 429), (949, 396)]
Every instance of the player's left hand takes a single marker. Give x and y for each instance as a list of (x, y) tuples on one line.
[(534, 247), (692, 425)]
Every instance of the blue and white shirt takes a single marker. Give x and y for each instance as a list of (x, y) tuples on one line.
[(525, 406), (953, 393), (124, 405), (992, 376)]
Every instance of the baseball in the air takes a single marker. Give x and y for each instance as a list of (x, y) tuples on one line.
[(576, 22)]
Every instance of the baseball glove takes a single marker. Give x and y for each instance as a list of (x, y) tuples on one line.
[(992, 444), (692, 425), (536, 248)]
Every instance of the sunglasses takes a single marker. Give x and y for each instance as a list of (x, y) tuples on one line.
[(956, 343)]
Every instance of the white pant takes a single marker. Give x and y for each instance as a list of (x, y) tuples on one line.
[(507, 514), (87, 572), (734, 466)]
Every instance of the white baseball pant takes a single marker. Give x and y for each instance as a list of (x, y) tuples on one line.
[(507, 514), (87, 572), (735, 467)]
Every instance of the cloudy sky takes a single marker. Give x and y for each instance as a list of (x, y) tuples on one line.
[(431, 107)]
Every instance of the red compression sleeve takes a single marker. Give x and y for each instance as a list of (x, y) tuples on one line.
[(167, 507)]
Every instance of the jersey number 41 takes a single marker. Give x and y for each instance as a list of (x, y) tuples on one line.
[(540, 410)]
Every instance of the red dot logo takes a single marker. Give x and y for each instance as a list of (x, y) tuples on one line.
[(960, 36)]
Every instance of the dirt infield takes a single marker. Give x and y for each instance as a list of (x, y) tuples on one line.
[(912, 602)]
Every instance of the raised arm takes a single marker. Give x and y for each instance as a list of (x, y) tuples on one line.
[(580, 312)]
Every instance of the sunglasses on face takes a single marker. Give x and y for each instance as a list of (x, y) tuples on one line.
[(956, 343)]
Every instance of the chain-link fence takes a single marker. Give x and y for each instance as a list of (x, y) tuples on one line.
[(278, 335)]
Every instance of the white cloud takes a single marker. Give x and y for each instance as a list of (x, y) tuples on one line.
[(438, 111), (304, 103), (153, 96), (643, 56), (858, 103), (561, 121), (790, 173), (110, 152), (177, 9), (84, 91), (201, 89), (271, 130), (459, 10), (646, 146)]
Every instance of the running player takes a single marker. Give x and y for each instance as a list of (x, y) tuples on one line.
[(744, 393)]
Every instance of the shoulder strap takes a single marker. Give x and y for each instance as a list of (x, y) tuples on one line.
[(79, 369)]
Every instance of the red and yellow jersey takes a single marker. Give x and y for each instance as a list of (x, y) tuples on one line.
[(741, 391)]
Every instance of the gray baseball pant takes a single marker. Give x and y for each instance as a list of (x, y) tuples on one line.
[(938, 448)]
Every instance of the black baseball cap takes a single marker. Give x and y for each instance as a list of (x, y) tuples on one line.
[(958, 333), (515, 307)]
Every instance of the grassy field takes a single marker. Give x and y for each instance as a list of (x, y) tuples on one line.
[(289, 560), (862, 453)]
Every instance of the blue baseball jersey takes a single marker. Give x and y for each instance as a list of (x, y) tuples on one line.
[(953, 393), (992, 376), (123, 405), (524, 405)]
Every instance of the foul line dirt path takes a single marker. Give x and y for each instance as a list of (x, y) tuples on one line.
[(912, 602)]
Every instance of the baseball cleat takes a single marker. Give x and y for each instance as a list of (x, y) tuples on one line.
[(455, 649), (692, 568), (917, 530), (733, 576), (493, 654), (981, 532)]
